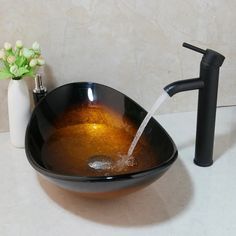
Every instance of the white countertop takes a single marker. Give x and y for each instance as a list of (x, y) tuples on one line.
[(187, 200)]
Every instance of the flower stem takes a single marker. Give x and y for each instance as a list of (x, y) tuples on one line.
[(17, 78)]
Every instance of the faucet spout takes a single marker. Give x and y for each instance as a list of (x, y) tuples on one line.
[(183, 85)]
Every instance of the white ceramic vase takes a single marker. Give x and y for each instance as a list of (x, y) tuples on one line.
[(18, 111)]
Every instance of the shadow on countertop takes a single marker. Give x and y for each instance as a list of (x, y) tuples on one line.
[(225, 136), (161, 201), (222, 143)]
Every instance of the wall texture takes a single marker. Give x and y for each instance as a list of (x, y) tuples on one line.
[(131, 45)]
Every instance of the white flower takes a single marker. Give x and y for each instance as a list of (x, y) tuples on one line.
[(7, 46), (36, 46), (41, 61), (27, 53), (19, 44), (33, 62), (14, 69), (2, 54), (11, 59)]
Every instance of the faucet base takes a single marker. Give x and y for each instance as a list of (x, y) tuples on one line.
[(199, 163)]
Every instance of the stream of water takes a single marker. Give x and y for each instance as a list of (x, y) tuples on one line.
[(145, 121)]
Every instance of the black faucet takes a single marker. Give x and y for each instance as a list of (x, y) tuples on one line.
[(207, 84)]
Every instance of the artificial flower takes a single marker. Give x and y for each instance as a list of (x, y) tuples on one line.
[(33, 62), (7, 46), (36, 47), (2, 54), (41, 61), (19, 62), (14, 69), (19, 44), (11, 59), (27, 53)]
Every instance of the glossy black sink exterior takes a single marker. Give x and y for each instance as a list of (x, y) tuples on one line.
[(41, 126)]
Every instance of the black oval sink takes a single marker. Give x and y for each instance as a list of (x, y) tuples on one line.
[(81, 120)]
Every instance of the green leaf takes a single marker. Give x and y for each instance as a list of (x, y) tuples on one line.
[(20, 61), (22, 71), (31, 73), (6, 65), (5, 74)]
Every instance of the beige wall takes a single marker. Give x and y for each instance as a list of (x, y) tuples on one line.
[(131, 45)]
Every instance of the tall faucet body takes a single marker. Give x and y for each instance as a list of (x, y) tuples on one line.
[(207, 84)]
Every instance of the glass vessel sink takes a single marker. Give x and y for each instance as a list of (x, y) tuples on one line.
[(84, 121)]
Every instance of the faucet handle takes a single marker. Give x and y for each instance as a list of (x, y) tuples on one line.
[(194, 48), (210, 57)]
